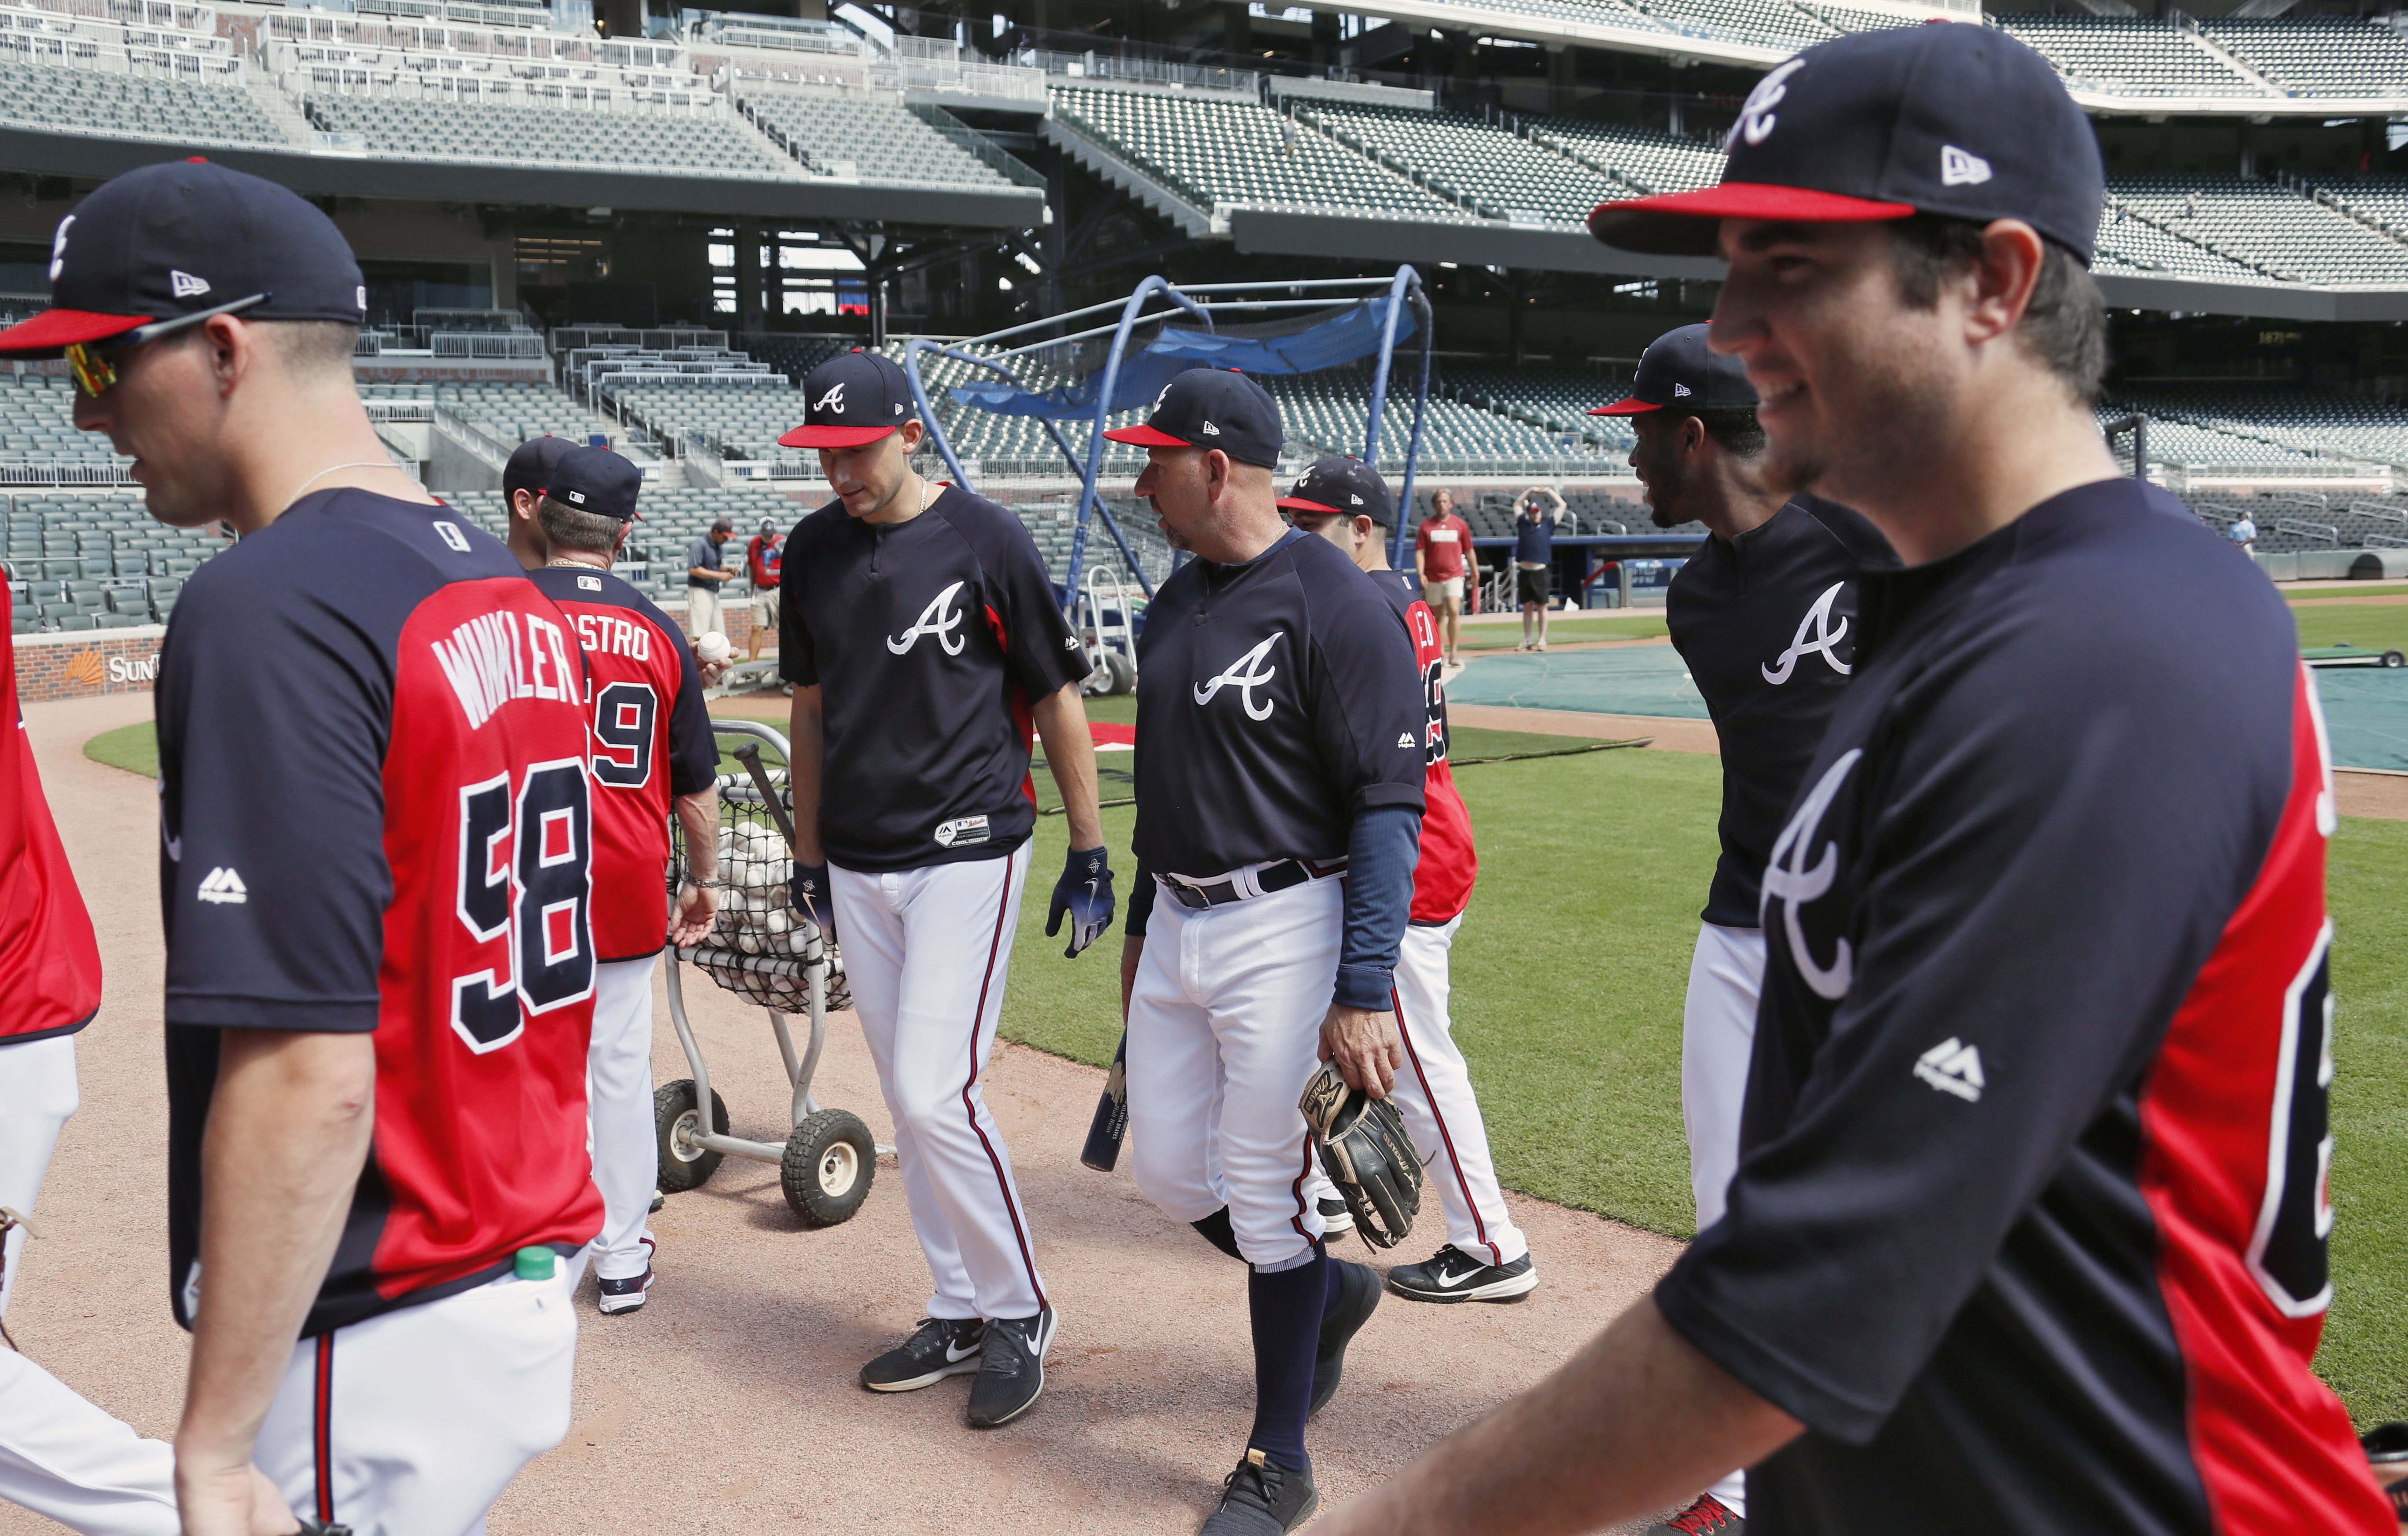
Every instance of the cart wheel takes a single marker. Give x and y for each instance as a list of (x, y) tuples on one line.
[(829, 1163), (684, 1166), (1124, 673), (2394, 658)]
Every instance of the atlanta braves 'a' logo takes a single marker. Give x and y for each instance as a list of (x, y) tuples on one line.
[(832, 400), (1244, 674), (1757, 118), (1793, 884), (937, 619), (1815, 636)]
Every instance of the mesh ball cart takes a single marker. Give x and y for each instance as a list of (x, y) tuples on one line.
[(762, 949)]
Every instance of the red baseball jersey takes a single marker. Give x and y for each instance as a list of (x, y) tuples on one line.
[(50, 962), (652, 743), (375, 818), (1442, 880)]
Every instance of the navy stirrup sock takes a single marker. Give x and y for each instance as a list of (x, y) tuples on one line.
[(1285, 1310)]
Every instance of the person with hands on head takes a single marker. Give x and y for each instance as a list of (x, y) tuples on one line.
[(922, 638), (1280, 772), (1534, 560), (654, 758), (375, 851), (2028, 1230)]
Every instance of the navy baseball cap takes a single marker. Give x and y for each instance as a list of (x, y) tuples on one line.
[(531, 465), (1336, 486), (1212, 408), (1678, 372), (853, 398), (175, 243), (597, 481), (1948, 118)]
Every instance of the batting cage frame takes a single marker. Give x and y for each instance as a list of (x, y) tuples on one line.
[(1207, 306)]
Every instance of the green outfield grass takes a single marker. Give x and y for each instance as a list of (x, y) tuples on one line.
[(2375, 627), (134, 748), (2346, 589)]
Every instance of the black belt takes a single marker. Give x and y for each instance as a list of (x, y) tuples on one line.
[(1280, 876)]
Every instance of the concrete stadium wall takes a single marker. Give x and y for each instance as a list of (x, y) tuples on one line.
[(95, 661)]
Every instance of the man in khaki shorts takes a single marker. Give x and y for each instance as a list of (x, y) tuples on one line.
[(762, 557), (1442, 555)]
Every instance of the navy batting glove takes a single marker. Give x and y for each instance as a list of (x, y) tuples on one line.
[(810, 889), (1085, 891)]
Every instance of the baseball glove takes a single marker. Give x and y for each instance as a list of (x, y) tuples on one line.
[(1364, 1151)]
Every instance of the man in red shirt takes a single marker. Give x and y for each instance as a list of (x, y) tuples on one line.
[(1486, 1258), (1442, 557), (762, 554), (59, 1455), (654, 756)]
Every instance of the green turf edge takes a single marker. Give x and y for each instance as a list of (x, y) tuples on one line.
[(134, 748), (2364, 1356)]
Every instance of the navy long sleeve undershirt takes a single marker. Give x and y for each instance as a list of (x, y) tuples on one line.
[(1382, 848)]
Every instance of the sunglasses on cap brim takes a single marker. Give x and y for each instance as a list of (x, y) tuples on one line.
[(89, 361)]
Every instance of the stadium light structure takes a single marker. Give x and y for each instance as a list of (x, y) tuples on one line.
[(1331, 341)]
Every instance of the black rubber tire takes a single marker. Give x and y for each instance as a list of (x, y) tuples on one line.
[(1123, 670), (2394, 658), (679, 1171), (831, 1161)]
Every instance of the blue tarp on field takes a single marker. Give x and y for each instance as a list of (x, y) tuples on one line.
[(1344, 338)]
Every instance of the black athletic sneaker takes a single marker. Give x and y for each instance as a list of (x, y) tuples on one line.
[(1358, 1297), (1707, 1517), (1262, 1498), (1452, 1275), (1013, 1376), (2386, 1451), (1336, 1219), (943, 1347)]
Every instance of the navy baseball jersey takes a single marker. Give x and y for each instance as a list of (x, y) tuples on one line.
[(2029, 1228), (652, 743), (1276, 699), (928, 641), (374, 819), (1765, 623)]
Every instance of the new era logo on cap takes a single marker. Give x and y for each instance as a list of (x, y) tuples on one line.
[(1961, 168), (1680, 390), (185, 285)]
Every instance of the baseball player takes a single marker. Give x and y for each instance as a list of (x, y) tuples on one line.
[(1487, 1258), (376, 842), (654, 756), (60, 1456), (2028, 1230), (1765, 616), (523, 477), (924, 638), (1280, 772)]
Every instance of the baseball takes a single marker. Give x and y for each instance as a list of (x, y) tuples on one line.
[(714, 646)]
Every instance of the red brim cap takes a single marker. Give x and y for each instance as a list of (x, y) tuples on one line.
[(834, 436), (1682, 224), (1632, 407), (1298, 504), (1146, 437), (55, 328)]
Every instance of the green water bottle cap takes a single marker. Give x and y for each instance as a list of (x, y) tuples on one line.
[(534, 1263)]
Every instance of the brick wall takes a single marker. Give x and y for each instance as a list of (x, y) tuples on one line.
[(97, 661)]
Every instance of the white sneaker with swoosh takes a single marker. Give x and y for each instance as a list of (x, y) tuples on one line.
[(1452, 1275)]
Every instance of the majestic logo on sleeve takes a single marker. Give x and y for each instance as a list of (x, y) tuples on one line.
[(1953, 1067), (1815, 636), (939, 620), (1245, 674), (221, 885), (1755, 120), (1788, 881), (833, 400)]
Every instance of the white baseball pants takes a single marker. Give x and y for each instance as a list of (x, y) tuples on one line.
[(1224, 1032), (413, 1423), (619, 1098), (60, 1456), (927, 952), (1718, 1037), (1442, 1114)]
